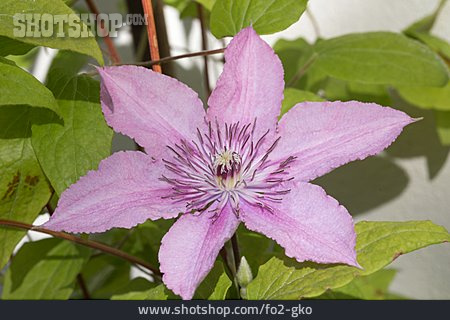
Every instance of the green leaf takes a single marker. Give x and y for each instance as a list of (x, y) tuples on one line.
[(9, 46), (145, 239), (44, 269), (443, 126), (221, 289), (380, 58), (186, 8), (426, 23), (437, 44), (9, 8), (66, 152), (142, 241), (136, 284), (21, 88), (25, 61), (377, 245), (65, 66), (293, 96), (297, 57), (208, 4), (293, 55), (427, 97), (335, 89), (157, 293), (24, 190), (371, 287), (256, 248), (216, 284), (277, 280), (228, 17), (380, 243), (114, 276)]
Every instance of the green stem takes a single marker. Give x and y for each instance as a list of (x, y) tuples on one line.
[(302, 70), (230, 266), (236, 251), (181, 56), (236, 258), (201, 17), (83, 287), (314, 23)]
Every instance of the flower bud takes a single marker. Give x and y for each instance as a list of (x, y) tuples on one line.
[(244, 274)]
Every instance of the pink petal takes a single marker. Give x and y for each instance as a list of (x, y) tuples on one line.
[(251, 84), (152, 108), (326, 135), (189, 249), (309, 224), (123, 192)]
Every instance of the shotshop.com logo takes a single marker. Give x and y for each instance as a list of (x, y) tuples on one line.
[(84, 25)]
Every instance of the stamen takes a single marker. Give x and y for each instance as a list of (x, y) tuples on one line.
[(226, 168)]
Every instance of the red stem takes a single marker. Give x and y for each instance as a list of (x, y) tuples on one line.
[(151, 31), (88, 243), (109, 43)]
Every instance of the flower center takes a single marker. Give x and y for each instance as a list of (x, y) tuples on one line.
[(226, 164), (227, 168)]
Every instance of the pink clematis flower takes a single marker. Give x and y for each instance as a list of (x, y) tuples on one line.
[(233, 163)]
